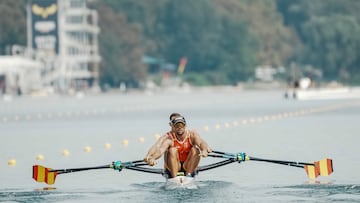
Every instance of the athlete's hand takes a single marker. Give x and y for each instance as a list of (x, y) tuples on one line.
[(149, 160), (204, 153)]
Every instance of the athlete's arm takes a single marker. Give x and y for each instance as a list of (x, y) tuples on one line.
[(157, 150), (200, 143)]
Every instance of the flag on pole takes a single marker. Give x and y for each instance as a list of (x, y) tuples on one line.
[(182, 65)]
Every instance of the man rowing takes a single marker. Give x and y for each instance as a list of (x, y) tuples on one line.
[(181, 147)]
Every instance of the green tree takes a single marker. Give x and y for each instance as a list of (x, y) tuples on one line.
[(120, 49), (224, 40), (329, 31), (275, 42), (217, 46), (332, 43), (143, 12), (12, 23)]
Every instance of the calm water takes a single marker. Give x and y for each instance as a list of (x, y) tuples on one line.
[(260, 123)]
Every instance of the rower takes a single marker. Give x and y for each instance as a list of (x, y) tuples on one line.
[(182, 149)]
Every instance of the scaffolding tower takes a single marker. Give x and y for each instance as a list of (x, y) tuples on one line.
[(63, 34)]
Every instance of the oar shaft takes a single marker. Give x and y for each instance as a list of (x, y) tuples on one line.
[(224, 155), (220, 154), (280, 161), (70, 170), (215, 165), (287, 164), (146, 170)]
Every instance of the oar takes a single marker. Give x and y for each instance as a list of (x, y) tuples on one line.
[(290, 163), (214, 165), (48, 175), (323, 167), (71, 170)]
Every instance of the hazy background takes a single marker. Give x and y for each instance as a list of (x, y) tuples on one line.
[(220, 92), (223, 40)]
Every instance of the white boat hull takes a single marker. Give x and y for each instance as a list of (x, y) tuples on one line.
[(180, 182), (326, 93)]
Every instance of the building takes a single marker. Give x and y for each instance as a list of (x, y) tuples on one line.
[(61, 53), (63, 34), (19, 75)]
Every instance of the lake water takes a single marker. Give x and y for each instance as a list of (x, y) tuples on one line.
[(123, 127)]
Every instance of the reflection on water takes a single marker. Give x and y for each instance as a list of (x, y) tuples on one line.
[(326, 192), (39, 196), (208, 191)]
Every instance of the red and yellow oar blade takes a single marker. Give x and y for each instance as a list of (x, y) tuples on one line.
[(39, 173), (311, 171), (325, 167), (43, 174)]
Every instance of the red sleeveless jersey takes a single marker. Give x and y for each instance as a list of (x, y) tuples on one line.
[(183, 147)]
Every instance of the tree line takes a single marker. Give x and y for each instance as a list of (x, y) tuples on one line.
[(223, 40)]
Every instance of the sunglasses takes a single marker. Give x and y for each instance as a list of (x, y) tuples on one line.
[(179, 125)]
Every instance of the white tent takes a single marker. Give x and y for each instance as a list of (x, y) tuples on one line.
[(20, 74)]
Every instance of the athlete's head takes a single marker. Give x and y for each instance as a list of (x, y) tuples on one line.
[(174, 115), (177, 120)]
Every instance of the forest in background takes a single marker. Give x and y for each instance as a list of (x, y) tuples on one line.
[(223, 40)]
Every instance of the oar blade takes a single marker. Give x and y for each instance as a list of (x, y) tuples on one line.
[(39, 173), (324, 166), (311, 171), (42, 174)]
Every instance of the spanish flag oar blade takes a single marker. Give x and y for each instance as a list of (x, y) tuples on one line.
[(311, 171), (323, 167), (43, 174)]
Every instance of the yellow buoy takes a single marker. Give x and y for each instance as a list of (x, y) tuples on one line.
[(107, 146), (141, 139), (39, 157), (125, 142), (87, 149), (206, 128), (12, 162), (217, 126), (66, 152)]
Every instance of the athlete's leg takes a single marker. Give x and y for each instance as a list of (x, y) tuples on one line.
[(192, 161), (172, 162)]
